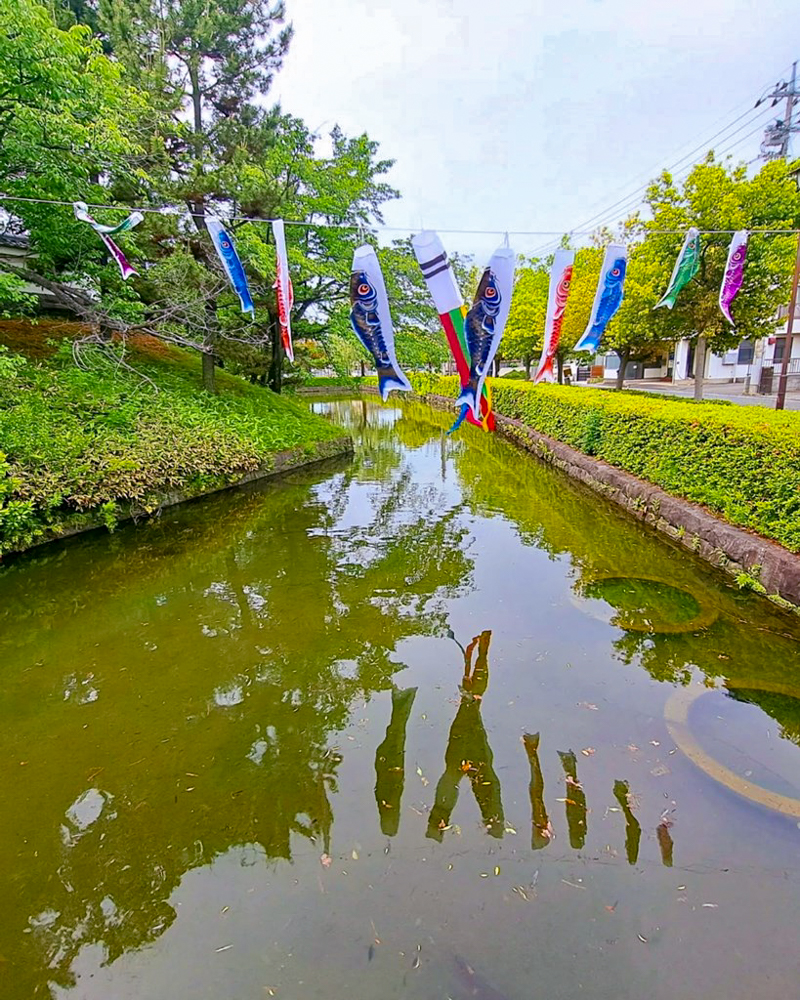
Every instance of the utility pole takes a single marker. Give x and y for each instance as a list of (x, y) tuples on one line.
[(778, 135), (787, 344)]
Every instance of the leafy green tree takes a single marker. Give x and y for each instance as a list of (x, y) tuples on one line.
[(67, 119), (716, 196)]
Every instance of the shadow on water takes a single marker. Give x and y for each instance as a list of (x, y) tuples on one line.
[(223, 682)]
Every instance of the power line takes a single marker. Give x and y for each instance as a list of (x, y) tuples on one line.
[(602, 217), (777, 137), (392, 229)]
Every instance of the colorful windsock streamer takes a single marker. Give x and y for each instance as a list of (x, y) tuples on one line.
[(226, 251), (686, 267), (441, 281), (608, 297), (283, 288), (484, 325), (734, 273), (105, 233), (372, 321), (560, 281)]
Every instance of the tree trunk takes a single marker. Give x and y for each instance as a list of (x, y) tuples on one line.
[(699, 368), (276, 367), (623, 364), (528, 361), (209, 382), (560, 361)]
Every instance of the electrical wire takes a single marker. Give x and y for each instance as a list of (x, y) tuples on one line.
[(390, 229), (632, 198)]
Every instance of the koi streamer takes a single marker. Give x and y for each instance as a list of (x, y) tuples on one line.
[(686, 267), (372, 321), (226, 251), (560, 281), (608, 297), (734, 273), (81, 210), (283, 287), (447, 299), (484, 325)]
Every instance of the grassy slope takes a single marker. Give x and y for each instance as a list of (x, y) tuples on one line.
[(75, 444)]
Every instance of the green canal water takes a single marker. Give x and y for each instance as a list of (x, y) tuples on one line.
[(394, 727)]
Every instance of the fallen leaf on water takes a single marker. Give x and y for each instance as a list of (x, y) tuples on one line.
[(642, 939), (588, 751), (573, 884), (510, 829), (497, 869), (712, 906), (633, 748), (681, 888), (325, 860), (587, 704), (224, 909), (225, 947), (654, 743), (354, 854), (484, 874), (612, 908)]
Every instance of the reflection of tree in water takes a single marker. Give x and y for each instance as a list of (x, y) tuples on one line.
[(468, 753), (266, 615)]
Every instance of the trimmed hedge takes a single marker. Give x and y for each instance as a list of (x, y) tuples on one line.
[(742, 462)]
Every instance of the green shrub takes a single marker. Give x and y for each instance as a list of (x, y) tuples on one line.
[(742, 462)]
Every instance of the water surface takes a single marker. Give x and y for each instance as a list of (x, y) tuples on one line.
[(392, 728)]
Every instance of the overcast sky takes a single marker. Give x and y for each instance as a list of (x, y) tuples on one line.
[(524, 115)]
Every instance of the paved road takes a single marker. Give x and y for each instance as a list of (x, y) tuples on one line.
[(731, 391)]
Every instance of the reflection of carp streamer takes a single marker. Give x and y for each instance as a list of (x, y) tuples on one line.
[(390, 762), (468, 752), (541, 831)]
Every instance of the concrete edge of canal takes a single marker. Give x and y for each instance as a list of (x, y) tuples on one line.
[(282, 462), (733, 550)]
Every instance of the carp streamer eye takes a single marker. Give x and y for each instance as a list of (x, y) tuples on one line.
[(224, 244), (363, 289), (490, 293), (615, 272)]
